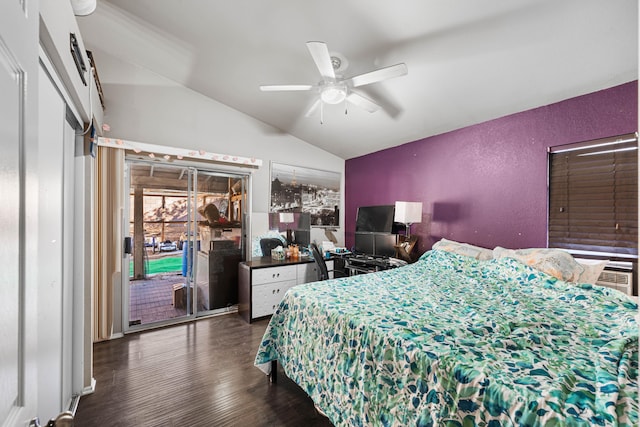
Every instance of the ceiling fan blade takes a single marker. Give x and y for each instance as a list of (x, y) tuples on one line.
[(320, 54), (313, 108), (272, 88), (362, 102), (379, 75)]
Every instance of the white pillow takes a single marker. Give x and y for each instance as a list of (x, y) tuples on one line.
[(464, 249), (556, 262), (592, 270)]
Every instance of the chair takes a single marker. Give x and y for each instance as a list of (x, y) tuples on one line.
[(323, 273), (269, 243)]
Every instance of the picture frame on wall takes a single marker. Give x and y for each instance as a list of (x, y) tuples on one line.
[(302, 189)]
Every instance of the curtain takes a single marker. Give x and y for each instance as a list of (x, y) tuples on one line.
[(108, 266)]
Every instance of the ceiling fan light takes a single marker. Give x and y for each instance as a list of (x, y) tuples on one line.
[(333, 95), (83, 7)]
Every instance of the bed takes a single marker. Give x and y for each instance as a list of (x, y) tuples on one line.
[(453, 340)]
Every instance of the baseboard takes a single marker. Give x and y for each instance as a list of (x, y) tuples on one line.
[(116, 335), (89, 389)]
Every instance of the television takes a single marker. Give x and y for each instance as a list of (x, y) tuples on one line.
[(375, 219), (384, 245), (364, 244), (375, 244), (297, 232), (301, 238)]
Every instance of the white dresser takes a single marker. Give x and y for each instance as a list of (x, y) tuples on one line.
[(262, 282)]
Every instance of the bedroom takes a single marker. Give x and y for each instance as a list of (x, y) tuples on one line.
[(606, 109)]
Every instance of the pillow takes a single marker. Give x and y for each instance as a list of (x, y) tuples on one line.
[(556, 262), (464, 249), (592, 270)]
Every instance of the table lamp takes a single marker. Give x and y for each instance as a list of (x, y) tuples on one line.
[(408, 213), (287, 218)]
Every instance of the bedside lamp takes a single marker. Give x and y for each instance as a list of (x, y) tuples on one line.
[(287, 218), (408, 213)]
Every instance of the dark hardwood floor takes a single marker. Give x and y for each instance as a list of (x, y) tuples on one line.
[(195, 374)]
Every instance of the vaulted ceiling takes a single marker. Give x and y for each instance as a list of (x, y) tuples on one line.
[(468, 61)]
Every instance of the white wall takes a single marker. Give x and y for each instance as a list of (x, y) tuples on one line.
[(145, 107), (57, 22)]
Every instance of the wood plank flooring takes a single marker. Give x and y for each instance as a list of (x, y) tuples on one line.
[(193, 374)]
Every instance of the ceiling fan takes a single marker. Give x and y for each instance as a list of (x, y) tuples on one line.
[(334, 89)]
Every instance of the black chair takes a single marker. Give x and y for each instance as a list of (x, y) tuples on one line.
[(269, 243), (323, 273)]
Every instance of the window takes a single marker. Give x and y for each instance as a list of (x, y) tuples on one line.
[(593, 197)]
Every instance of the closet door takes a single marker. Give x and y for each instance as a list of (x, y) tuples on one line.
[(18, 210), (55, 252)]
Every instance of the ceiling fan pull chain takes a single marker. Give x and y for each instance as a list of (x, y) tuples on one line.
[(322, 113), (346, 106)]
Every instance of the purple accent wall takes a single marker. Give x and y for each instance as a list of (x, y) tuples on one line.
[(486, 184)]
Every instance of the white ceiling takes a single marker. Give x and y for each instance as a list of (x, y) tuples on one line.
[(469, 60)]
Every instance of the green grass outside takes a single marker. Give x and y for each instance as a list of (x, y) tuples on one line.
[(161, 265)]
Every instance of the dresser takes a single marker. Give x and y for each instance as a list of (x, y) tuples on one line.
[(262, 282)]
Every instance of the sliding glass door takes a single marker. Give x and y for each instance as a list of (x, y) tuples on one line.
[(221, 198), (185, 231), (160, 213)]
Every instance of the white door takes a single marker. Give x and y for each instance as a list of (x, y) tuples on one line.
[(55, 257), (18, 211)]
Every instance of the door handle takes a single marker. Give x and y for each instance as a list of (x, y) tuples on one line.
[(64, 419), (127, 245)]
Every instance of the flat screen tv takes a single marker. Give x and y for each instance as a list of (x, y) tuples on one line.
[(384, 244), (376, 244), (364, 244), (299, 229), (375, 219)]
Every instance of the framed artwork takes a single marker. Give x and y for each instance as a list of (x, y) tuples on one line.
[(300, 189)]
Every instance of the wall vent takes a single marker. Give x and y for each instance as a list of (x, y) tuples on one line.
[(619, 280)]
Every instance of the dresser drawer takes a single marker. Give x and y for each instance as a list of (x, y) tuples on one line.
[(273, 274), (263, 283), (266, 297)]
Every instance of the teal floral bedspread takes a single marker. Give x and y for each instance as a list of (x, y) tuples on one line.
[(453, 341)]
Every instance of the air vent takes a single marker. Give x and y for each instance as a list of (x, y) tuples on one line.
[(621, 281)]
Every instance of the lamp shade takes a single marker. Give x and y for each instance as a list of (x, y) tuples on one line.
[(286, 217), (408, 212)]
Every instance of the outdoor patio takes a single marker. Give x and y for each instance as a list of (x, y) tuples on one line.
[(151, 300)]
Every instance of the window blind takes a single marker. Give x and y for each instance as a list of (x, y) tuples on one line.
[(593, 197)]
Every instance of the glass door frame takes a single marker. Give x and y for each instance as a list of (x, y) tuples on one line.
[(126, 258), (245, 179), (194, 170), (192, 241)]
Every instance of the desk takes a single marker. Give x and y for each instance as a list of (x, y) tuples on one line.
[(362, 264)]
